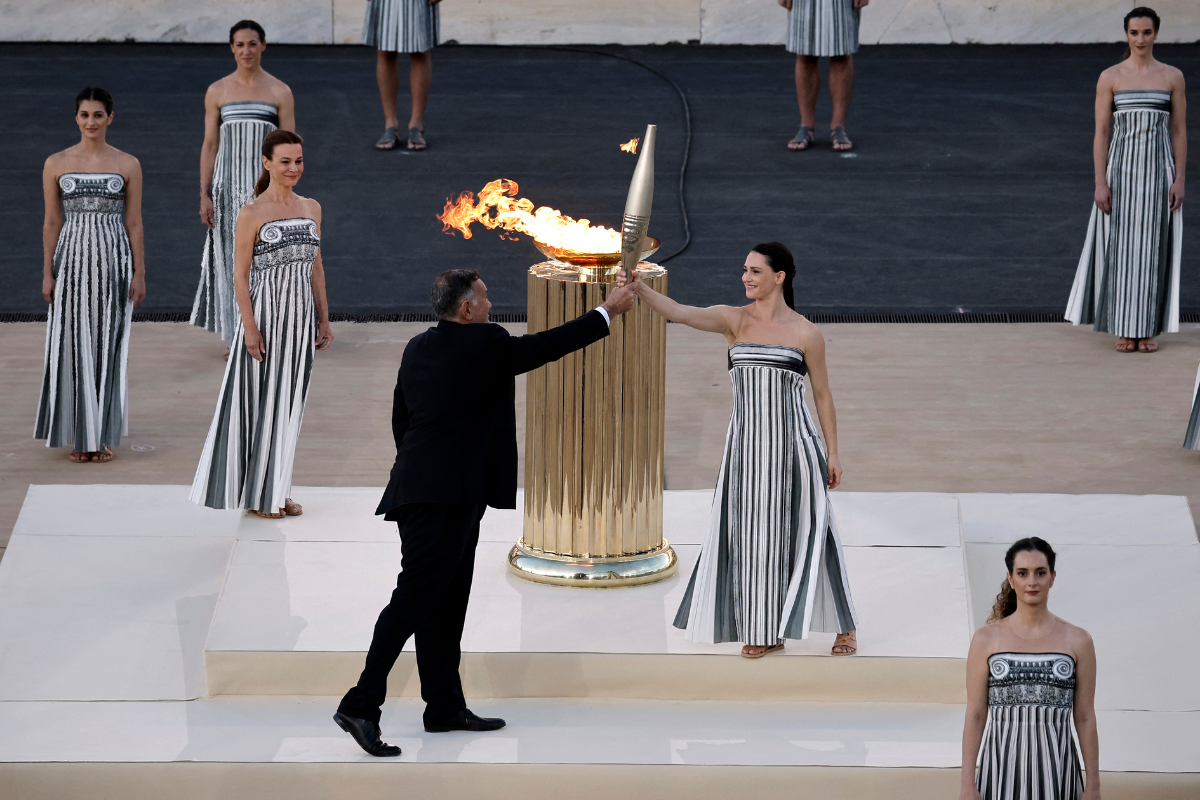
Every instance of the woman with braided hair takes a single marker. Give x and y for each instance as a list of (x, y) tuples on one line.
[(1029, 676)]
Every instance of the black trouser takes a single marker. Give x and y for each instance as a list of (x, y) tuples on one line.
[(437, 560)]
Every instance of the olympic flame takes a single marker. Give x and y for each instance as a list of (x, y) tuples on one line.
[(631, 145), (498, 207)]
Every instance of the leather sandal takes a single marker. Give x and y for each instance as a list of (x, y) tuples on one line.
[(841, 142), (803, 139), (1147, 346), (390, 139), (416, 139), (79, 457), (270, 515), (102, 456), (759, 653), (292, 508), (848, 642), (1125, 345)]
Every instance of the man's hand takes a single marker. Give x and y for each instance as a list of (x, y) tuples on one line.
[(619, 301)]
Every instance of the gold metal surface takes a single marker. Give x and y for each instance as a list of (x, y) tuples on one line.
[(594, 267), (594, 442)]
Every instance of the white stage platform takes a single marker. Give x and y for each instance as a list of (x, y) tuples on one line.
[(213, 638)]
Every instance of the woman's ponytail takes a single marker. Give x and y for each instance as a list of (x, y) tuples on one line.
[(273, 140), (779, 259)]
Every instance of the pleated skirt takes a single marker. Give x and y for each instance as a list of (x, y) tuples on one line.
[(1028, 753), (772, 565), (1191, 439), (823, 28), (235, 172), (401, 26), (1127, 280), (251, 446), (84, 398)]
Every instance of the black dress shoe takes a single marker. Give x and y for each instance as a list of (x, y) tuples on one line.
[(465, 721), (366, 733)]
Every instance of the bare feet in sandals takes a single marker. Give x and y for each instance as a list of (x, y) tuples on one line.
[(292, 508), (1147, 345), (846, 644), (390, 139), (79, 457), (270, 514), (803, 139), (840, 140), (1125, 345), (759, 650), (102, 456)]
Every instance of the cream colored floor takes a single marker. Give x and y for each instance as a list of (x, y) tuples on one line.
[(940, 408)]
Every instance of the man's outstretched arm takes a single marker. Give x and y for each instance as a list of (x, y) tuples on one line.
[(521, 354)]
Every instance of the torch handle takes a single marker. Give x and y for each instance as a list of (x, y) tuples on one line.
[(633, 239)]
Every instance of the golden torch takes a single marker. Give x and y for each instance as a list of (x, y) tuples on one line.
[(638, 204)]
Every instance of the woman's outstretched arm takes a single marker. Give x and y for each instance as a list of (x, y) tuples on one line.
[(714, 319)]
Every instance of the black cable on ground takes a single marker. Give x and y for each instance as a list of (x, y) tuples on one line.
[(687, 118)]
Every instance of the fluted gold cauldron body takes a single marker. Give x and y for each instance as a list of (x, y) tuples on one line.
[(594, 442)]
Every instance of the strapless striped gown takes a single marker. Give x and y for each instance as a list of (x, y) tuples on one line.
[(1127, 281), (1191, 439), (244, 125), (401, 26), (772, 566), (823, 28), (84, 403), (1028, 752), (251, 446)]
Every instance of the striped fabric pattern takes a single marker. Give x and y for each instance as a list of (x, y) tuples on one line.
[(1127, 281), (251, 446), (401, 26), (1191, 439), (1028, 751), (823, 28), (84, 400), (772, 565), (244, 125)]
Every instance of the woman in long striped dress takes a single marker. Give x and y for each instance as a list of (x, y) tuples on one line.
[(1127, 282), (1029, 675), (239, 111), (772, 566), (823, 29), (402, 26), (93, 276), (1191, 440), (280, 282)]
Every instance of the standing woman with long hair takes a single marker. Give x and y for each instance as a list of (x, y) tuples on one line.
[(280, 283), (772, 566), (239, 111), (1029, 674), (1127, 282), (93, 274)]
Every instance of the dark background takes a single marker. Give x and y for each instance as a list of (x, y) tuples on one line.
[(969, 189)]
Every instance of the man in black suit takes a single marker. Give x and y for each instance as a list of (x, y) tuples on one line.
[(454, 423)]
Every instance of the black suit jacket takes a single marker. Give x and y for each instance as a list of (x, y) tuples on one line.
[(453, 415)]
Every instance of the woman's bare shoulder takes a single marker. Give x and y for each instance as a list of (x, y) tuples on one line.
[(1079, 641), (986, 638)]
